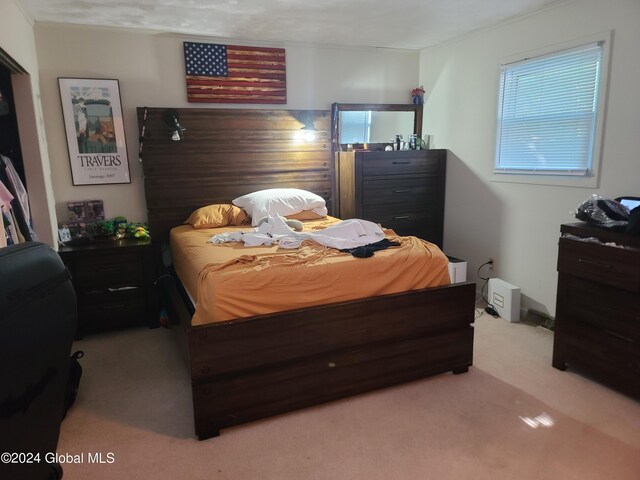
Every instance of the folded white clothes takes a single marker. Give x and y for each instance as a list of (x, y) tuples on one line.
[(350, 233)]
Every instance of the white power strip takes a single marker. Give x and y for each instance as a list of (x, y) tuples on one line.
[(505, 298)]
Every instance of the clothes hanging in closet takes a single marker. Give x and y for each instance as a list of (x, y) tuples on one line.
[(8, 235), (19, 215)]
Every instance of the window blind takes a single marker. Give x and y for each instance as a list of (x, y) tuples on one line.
[(547, 113)]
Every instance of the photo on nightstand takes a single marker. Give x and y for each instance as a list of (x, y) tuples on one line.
[(64, 234)]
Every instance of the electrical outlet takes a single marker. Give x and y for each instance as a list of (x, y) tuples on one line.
[(491, 262)]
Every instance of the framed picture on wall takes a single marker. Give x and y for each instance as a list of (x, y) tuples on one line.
[(94, 129)]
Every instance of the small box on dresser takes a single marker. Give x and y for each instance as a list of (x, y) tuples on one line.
[(113, 282), (598, 306)]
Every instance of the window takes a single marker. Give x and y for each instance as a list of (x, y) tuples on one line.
[(548, 113), (355, 126)]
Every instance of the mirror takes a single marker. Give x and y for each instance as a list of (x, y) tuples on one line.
[(374, 124)]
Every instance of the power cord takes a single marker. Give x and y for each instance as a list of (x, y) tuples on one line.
[(490, 309)]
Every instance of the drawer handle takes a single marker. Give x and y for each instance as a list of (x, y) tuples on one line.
[(402, 191), (608, 266), (401, 162), (107, 269), (402, 217), (121, 289), (114, 306)]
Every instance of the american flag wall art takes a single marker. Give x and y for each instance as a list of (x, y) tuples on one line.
[(234, 74)]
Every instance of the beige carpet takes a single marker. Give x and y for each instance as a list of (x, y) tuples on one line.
[(512, 416)]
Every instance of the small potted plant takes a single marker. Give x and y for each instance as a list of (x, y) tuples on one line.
[(101, 230)]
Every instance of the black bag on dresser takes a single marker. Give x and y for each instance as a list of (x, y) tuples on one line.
[(37, 328)]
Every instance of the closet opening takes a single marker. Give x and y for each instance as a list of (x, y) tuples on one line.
[(9, 133), (16, 222)]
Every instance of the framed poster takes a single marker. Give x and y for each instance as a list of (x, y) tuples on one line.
[(94, 128)]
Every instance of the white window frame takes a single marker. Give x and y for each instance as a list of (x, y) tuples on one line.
[(591, 177)]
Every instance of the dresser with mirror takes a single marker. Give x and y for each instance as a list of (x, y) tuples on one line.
[(400, 188)]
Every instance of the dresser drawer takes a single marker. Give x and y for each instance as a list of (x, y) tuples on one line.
[(419, 190), (610, 309), (402, 216), (613, 360), (405, 164), (612, 266)]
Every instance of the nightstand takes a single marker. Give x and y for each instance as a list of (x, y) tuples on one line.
[(113, 282)]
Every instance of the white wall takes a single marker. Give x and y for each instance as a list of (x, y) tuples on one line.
[(150, 69), (517, 224), (17, 39)]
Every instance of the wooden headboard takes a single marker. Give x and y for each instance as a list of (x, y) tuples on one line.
[(226, 153)]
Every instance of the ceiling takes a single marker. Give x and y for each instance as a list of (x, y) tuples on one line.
[(410, 24)]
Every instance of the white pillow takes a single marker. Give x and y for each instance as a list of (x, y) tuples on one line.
[(280, 201)]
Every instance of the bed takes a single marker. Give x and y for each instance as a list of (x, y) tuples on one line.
[(243, 369)]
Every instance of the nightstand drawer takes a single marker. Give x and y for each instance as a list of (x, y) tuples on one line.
[(95, 271), (110, 295), (125, 308), (418, 190), (113, 315), (613, 266), (126, 303)]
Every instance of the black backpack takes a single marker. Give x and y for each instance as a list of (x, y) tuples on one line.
[(604, 213)]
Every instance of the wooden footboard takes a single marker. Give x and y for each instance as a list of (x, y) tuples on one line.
[(261, 366)]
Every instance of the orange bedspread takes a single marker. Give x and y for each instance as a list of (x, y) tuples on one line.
[(232, 281)]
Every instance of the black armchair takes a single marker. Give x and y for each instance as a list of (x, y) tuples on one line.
[(37, 326)]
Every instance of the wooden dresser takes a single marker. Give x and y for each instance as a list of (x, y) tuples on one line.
[(598, 306), (402, 190), (113, 282)]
